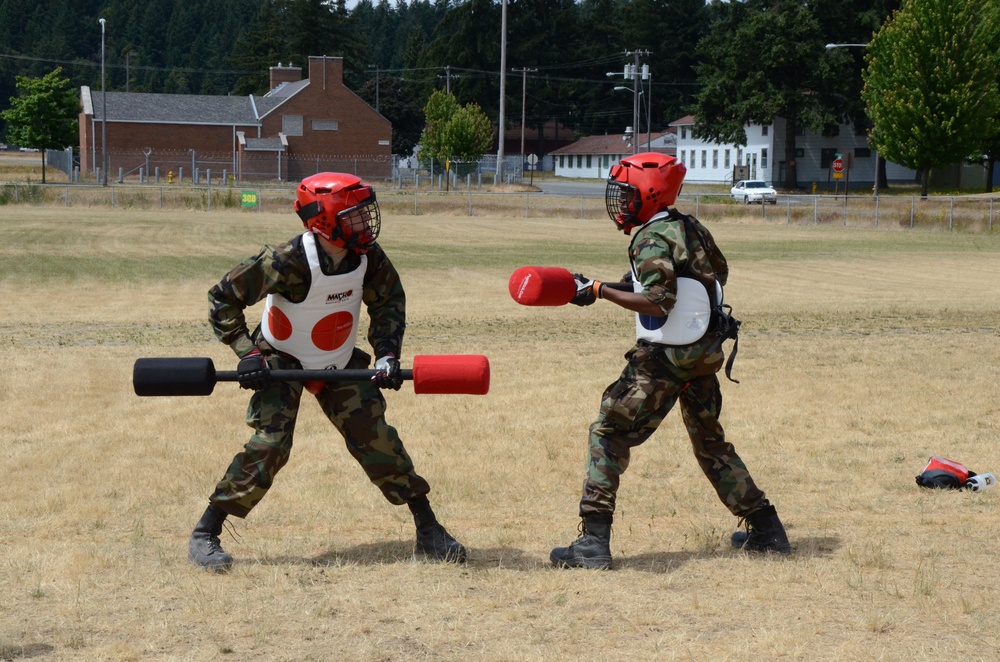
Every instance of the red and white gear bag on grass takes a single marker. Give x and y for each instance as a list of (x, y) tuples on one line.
[(944, 473)]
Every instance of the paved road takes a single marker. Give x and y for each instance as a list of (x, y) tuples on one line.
[(593, 189)]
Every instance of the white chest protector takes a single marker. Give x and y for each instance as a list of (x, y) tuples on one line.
[(321, 330), (687, 321)]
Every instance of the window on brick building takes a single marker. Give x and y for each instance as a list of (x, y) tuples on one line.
[(325, 125), (291, 125)]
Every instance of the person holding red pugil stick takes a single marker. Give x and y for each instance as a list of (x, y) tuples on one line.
[(315, 286), (676, 276)]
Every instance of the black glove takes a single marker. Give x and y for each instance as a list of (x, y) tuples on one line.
[(253, 372), (587, 291), (388, 374)]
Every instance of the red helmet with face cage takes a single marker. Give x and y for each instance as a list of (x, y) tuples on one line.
[(340, 208), (640, 186)]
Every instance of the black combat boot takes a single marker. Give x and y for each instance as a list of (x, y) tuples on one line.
[(433, 541), (591, 550), (204, 548), (764, 533)]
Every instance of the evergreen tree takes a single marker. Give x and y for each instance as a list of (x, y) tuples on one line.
[(764, 59), (399, 103)]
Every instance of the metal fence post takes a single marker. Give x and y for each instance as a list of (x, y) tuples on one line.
[(951, 215), (815, 210), (912, 206)]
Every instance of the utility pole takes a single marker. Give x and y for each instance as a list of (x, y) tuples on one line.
[(632, 71), (503, 88), (447, 78), (104, 113), (377, 70), (524, 95), (648, 77)]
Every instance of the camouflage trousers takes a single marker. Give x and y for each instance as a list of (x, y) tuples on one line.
[(635, 405), (357, 411)]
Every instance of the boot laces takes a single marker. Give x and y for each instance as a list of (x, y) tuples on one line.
[(215, 544)]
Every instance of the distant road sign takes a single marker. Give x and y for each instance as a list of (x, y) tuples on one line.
[(838, 165)]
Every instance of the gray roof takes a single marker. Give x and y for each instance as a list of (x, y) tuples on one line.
[(288, 89), (187, 108)]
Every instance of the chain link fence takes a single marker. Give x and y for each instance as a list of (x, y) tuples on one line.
[(430, 196)]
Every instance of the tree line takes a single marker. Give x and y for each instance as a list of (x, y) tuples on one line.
[(726, 63)]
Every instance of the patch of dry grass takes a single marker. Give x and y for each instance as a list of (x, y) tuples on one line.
[(863, 353)]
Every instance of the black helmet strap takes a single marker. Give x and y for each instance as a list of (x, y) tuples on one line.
[(308, 211)]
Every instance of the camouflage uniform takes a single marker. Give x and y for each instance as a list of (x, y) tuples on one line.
[(357, 410), (657, 376)]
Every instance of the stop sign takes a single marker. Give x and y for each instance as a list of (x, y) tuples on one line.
[(838, 165)]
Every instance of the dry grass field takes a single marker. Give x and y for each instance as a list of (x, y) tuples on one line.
[(863, 352)]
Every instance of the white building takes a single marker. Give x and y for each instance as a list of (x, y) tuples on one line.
[(715, 163), (591, 157)]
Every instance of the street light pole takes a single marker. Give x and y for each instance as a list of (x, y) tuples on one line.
[(524, 96), (104, 114), (877, 159)]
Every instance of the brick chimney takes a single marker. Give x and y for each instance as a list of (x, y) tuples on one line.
[(284, 74), (326, 71)]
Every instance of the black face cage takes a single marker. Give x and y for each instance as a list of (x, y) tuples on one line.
[(359, 225), (622, 201)]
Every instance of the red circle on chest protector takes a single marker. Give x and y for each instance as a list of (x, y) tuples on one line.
[(279, 324), (332, 331)]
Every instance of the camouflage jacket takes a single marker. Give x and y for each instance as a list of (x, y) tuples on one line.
[(284, 270), (664, 249)]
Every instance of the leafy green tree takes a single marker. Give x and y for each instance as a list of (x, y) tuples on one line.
[(469, 133), (44, 114), (931, 84), (439, 109), (761, 60), (454, 131)]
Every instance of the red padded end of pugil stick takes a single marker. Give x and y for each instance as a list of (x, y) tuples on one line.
[(453, 374), (542, 286)]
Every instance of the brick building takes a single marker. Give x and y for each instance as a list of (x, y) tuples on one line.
[(300, 127)]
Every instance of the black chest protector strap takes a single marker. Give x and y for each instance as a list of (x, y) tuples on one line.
[(722, 321)]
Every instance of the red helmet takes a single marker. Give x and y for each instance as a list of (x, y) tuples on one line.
[(340, 208), (640, 186)]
